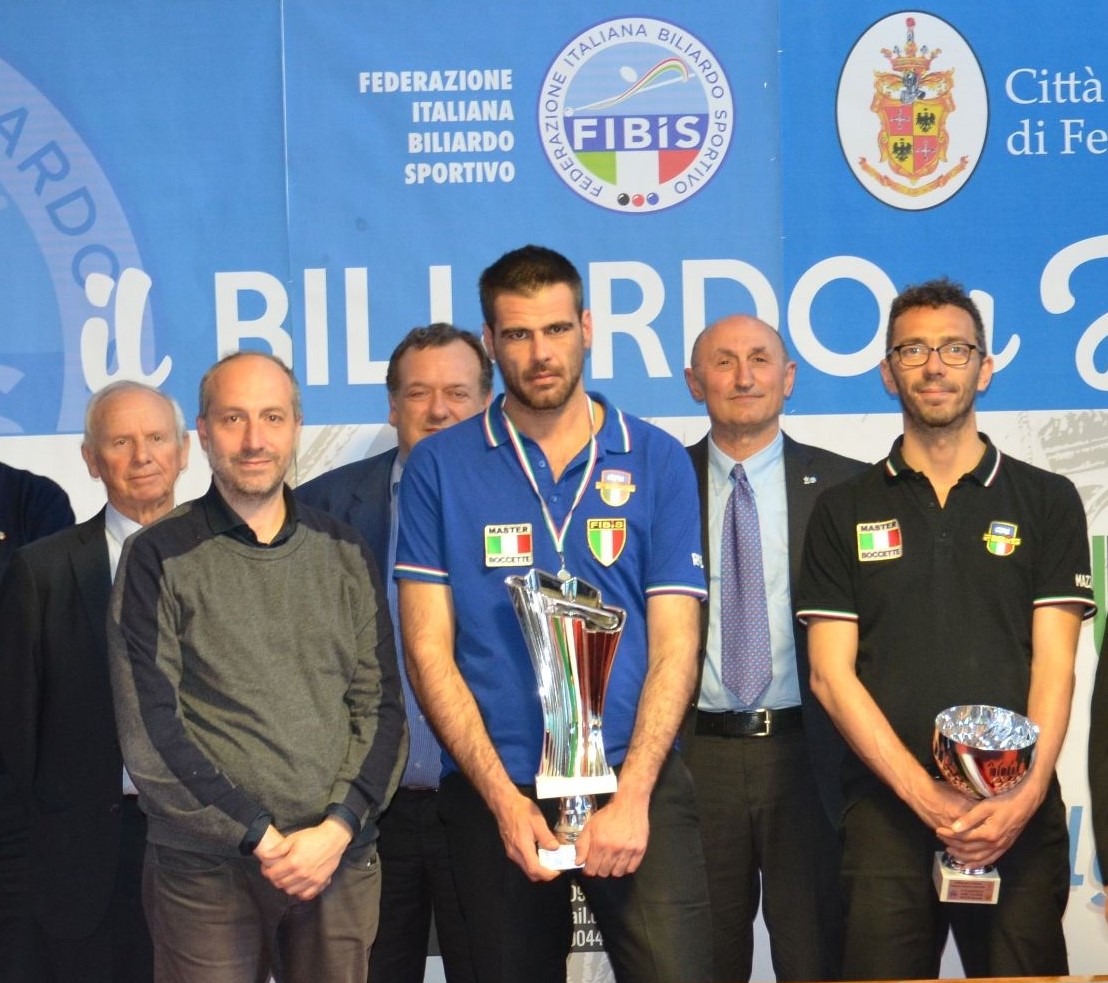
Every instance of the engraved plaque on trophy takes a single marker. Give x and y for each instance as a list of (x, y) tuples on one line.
[(572, 639), (982, 751)]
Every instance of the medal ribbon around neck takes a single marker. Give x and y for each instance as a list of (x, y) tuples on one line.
[(557, 535)]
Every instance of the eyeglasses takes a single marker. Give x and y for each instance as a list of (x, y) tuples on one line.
[(913, 355)]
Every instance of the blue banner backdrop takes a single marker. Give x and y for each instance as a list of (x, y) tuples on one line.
[(316, 177)]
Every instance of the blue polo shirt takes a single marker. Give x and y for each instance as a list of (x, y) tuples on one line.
[(469, 518)]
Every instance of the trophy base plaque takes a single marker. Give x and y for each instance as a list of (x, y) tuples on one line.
[(564, 858), (961, 888)]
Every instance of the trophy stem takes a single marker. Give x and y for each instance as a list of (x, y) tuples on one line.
[(963, 868), (575, 812)]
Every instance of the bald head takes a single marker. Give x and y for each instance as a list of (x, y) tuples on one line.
[(727, 327), (742, 373)]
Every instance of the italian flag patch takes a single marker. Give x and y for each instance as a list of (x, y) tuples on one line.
[(509, 545), (879, 541)]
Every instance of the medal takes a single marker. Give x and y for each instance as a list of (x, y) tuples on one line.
[(557, 534)]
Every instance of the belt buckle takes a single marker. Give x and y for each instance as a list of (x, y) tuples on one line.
[(766, 728)]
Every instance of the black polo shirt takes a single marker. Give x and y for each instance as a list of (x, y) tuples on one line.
[(944, 596), (225, 521)]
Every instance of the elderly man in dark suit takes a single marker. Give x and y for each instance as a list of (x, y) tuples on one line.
[(57, 726), (761, 751), (437, 376)]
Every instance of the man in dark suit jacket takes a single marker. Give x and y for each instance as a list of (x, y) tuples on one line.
[(31, 507), (765, 767), (437, 376), (57, 726)]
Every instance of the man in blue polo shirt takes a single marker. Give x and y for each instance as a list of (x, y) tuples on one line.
[(947, 574), (523, 485)]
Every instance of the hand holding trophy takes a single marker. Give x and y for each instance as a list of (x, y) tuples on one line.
[(982, 751), (572, 639)]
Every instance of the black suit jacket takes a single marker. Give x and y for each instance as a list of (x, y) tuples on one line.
[(57, 726), (808, 471), (31, 506), (358, 494)]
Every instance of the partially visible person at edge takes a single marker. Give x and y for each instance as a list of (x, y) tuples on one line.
[(259, 707), (1098, 759), (552, 465), (947, 574), (437, 376), (31, 506)]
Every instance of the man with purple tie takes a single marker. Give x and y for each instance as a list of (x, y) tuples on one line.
[(761, 751)]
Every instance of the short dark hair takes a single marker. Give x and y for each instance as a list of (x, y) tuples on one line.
[(526, 271), (206, 381), (936, 293), (437, 335)]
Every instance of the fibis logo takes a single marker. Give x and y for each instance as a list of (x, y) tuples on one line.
[(636, 115)]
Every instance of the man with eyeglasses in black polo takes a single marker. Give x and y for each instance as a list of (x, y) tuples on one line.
[(947, 574)]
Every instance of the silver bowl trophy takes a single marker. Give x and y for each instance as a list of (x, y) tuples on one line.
[(572, 638), (982, 751)]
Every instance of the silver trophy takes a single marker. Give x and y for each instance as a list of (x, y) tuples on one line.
[(982, 751), (572, 639)]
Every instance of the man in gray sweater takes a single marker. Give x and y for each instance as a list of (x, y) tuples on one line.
[(259, 707)]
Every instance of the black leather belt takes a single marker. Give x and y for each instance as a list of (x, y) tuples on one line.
[(748, 723)]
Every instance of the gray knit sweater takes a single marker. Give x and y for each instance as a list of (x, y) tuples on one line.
[(253, 683)]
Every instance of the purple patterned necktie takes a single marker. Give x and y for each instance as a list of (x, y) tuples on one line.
[(744, 620)]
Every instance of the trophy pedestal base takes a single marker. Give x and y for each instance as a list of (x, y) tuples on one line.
[(957, 887), (563, 786), (564, 858)]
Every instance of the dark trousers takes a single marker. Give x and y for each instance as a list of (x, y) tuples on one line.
[(656, 922), (216, 919), (896, 925), (416, 880), (119, 950), (767, 838), (18, 953)]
